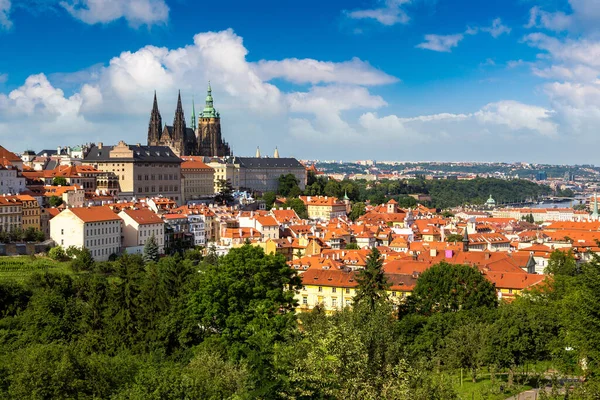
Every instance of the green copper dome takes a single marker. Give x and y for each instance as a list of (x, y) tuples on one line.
[(209, 111)]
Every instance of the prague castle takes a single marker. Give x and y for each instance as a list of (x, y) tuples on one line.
[(203, 138)]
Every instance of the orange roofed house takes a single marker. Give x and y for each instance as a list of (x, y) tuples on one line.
[(197, 178), (98, 229), (139, 226), (324, 207)]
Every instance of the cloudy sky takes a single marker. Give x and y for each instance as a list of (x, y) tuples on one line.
[(496, 80)]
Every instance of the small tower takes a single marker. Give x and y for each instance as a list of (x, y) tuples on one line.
[(155, 126), (465, 240), (276, 154), (346, 198), (257, 152), (193, 126)]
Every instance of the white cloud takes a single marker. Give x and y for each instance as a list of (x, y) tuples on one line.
[(443, 43), (5, 22), (312, 71), (497, 28), (136, 12), (113, 102), (390, 13)]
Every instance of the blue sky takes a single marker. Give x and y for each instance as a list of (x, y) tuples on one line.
[(371, 79)]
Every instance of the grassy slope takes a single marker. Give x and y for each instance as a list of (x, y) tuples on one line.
[(20, 267)]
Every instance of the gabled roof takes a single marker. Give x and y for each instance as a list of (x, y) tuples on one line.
[(94, 214), (143, 216)]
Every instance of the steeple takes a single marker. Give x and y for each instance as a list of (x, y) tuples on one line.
[(179, 121), (465, 240), (193, 115), (257, 152), (276, 154), (209, 110), (155, 124)]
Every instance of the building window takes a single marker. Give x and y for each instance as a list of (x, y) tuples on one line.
[(305, 300), (393, 294), (334, 302), (347, 290), (320, 289), (333, 290), (62, 231)]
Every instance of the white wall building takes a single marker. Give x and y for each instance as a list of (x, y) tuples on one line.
[(10, 180), (95, 228), (138, 227), (197, 229)]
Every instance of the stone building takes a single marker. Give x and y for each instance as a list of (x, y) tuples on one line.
[(142, 171)]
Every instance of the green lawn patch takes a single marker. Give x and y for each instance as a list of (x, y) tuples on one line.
[(19, 268)]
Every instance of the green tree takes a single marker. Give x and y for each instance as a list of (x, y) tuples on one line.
[(358, 209), (247, 301), (57, 253), (55, 201), (352, 246), (151, 249), (454, 237), (298, 206), (464, 347), (59, 181), (269, 198), (225, 192), (288, 185), (372, 283), (333, 189), (82, 261), (445, 287)]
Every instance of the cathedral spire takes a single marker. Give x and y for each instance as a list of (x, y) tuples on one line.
[(193, 115), (155, 125), (209, 109), (257, 152), (179, 121), (276, 154)]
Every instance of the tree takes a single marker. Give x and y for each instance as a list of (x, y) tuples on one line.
[(55, 201), (333, 189), (82, 261), (57, 253), (352, 246), (445, 287), (372, 283), (298, 206), (358, 209), (248, 301), (269, 198), (288, 185), (562, 263), (464, 347), (454, 237), (59, 181), (151, 249), (225, 193)]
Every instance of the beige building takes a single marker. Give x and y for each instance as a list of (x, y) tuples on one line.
[(96, 228), (197, 178), (31, 212), (323, 207), (72, 196), (226, 170), (11, 211), (138, 227), (142, 171)]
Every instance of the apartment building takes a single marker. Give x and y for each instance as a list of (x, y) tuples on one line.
[(139, 226), (96, 228)]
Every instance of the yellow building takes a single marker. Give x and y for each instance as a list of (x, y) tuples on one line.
[(31, 217), (226, 170), (197, 178), (333, 289), (323, 207)]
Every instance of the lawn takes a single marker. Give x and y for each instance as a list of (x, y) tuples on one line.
[(484, 389), (18, 268)]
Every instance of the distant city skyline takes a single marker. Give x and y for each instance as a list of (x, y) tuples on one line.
[(502, 81)]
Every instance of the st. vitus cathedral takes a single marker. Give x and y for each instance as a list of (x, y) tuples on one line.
[(203, 139)]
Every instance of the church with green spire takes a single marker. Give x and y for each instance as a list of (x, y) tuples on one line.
[(202, 138)]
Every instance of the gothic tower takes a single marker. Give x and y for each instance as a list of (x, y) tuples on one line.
[(155, 125), (179, 128)]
